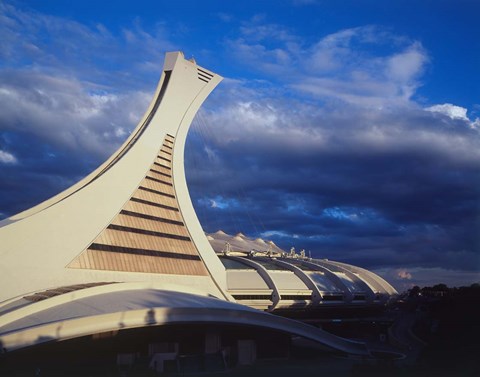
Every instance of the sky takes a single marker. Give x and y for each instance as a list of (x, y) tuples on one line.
[(349, 129)]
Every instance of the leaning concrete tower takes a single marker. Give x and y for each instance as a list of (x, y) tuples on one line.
[(132, 218)]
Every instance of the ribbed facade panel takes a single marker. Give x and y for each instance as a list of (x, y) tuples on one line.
[(165, 162), (148, 235), (155, 198), (151, 225), (102, 260), (157, 186), (153, 211), (146, 242), (162, 169), (165, 155)]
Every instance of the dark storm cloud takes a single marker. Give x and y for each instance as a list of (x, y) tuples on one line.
[(397, 187)]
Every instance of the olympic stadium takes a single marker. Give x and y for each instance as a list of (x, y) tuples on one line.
[(118, 270)]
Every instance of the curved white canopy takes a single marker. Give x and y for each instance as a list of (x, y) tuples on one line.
[(132, 308)]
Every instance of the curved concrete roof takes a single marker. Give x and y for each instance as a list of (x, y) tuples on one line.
[(131, 308), (326, 282)]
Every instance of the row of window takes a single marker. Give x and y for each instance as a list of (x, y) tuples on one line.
[(160, 173), (156, 192), (164, 158), (148, 232), (163, 166), (149, 217), (158, 180), (145, 252), (295, 297), (154, 204)]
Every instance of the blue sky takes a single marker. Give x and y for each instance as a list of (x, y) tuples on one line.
[(350, 130)]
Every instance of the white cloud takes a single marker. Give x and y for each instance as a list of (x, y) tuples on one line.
[(455, 112), (239, 120), (212, 156), (452, 111), (284, 127), (408, 64), (7, 158), (404, 274), (331, 53), (277, 233), (340, 66), (66, 113), (218, 202), (60, 46), (273, 60), (366, 100), (360, 90)]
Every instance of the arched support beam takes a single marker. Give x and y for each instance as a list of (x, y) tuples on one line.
[(368, 291), (307, 280), (332, 277), (373, 279), (263, 272)]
